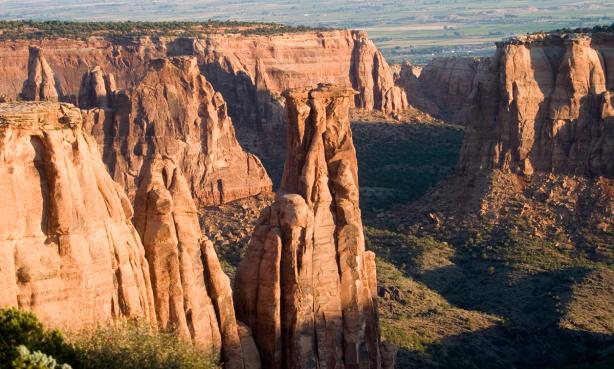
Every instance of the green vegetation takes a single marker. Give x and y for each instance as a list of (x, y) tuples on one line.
[(35, 360), (398, 163), (595, 29), (22, 328), (137, 346), (25, 344), (28, 29)]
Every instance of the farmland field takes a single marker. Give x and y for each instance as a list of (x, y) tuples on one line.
[(416, 30)]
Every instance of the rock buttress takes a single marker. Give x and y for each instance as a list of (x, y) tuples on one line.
[(191, 292), (68, 250), (542, 104)]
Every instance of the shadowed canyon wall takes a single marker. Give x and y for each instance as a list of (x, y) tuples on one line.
[(441, 88)]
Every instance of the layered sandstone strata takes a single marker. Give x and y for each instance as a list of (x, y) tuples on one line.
[(191, 292), (543, 103), (307, 286), (68, 250), (173, 111), (250, 71)]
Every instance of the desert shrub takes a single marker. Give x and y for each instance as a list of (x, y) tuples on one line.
[(22, 328), (25, 344), (137, 346), (35, 360)]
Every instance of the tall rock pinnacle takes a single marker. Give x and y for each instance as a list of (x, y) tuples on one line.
[(307, 286), (40, 84)]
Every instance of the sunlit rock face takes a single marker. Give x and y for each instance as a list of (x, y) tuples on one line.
[(173, 112), (40, 84), (543, 103), (250, 71), (68, 250), (307, 286), (191, 292)]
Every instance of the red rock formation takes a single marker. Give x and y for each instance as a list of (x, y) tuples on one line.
[(542, 105), (40, 84), (346, 58), (307, 287), (174, 112), (96, 88), (253, 71), (250, 71), (191, 292), (68, 249)]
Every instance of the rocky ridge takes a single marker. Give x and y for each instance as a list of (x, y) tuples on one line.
[(250, 71), (175, 112), (191, 292)]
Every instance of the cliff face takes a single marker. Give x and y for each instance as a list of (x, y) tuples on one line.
[(253, 71), (191, 292), (68, 250), (442, 88), (173, 111), (70, 59), (307, 288), (544, 104), (249, 71)]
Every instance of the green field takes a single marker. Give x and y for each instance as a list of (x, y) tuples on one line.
[(417, 30)]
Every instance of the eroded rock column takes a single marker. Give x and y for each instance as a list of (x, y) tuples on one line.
[(191, 292), (307, 286), (40, 84)]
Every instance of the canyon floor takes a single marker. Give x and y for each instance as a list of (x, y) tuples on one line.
[(456, 295)]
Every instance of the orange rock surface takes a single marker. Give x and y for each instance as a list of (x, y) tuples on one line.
[(307, 286), (68, 250)]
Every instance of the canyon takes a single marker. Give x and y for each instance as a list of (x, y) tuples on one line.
[(71, 253), (167, 147), (131, 163)]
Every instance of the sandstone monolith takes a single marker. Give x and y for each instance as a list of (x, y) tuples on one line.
[(40, 84), (191, 292), (307, 286)]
